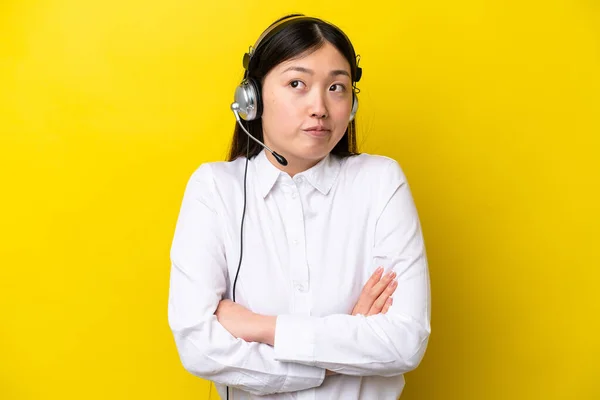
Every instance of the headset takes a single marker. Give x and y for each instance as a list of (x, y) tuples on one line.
[(248, 105)]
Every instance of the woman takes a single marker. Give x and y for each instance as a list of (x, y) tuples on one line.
[(310, 243)]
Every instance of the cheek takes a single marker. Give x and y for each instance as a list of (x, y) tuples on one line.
[(341, 118), (276, 103), (277, 118), (342, 110), (283, 110), (279, 111)]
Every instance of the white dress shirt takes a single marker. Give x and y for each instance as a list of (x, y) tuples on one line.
[(310, 244)]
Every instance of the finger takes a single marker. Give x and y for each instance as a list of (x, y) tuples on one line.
[(368, 297), (372, 289), (381, 300), (375, 277), (387, 305), (378, 289)]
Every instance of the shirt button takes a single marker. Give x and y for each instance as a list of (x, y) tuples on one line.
[(300, 287), (294, 195), (299, 179), (295, 241)]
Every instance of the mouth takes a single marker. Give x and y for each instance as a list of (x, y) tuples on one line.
[(317, 132)]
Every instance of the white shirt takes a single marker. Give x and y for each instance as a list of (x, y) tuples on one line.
[(310, 244)]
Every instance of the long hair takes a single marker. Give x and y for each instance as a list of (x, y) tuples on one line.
[(291, 41)]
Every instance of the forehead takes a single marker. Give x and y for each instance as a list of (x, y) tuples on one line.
[(324, 58)]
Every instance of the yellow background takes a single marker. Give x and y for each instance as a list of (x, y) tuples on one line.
[(491, 107)]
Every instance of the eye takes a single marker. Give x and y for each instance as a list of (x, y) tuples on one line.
[(339, 86), (295, 84)]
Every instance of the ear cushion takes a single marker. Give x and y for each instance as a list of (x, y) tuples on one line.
[(354, 107), (259, 104), (358, 73), (247, 95)]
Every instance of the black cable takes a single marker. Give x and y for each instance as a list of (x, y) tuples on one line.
[(241, 226), (243, 214)]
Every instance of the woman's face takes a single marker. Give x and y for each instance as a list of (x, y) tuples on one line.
[(307, 103)]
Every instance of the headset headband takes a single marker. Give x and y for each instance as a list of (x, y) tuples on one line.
[(276, 27)]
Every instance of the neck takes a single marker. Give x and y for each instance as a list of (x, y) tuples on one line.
[(295, 165)]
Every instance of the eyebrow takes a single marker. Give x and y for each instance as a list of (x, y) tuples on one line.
[(335, 72)]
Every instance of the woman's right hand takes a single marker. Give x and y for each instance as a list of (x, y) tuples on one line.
[(375, 296)]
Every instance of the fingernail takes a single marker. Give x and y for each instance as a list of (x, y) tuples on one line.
[(394, 283), (390, 300), (378, 270)]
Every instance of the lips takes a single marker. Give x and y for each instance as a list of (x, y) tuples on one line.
[(317, 128), (317, 132)]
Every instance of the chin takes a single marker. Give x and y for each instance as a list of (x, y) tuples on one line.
[(309, 150), (312, 154)]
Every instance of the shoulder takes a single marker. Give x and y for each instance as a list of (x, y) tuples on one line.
[(208, 177), (374, 168), (373, 178), (216, 171)]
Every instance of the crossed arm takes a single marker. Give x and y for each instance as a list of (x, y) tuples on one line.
[(244, 324)]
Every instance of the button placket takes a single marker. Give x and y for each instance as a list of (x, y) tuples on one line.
[(298, 262)]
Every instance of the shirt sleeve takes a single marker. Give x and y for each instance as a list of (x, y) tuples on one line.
[(198, 281), (382, 344)]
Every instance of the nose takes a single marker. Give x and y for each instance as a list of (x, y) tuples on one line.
[(318, 106)]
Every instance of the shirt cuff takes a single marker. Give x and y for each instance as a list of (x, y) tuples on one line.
[(295, 339), (302, 377)]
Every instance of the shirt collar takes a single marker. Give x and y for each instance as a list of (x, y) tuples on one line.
[(266, 172), (322, 176)]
